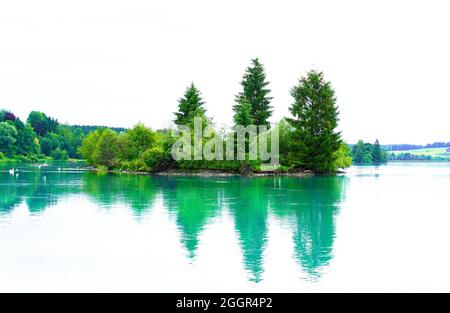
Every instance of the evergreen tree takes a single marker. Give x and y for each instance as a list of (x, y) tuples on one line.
[(255, 91), (315, 118), (189, 106), (377, 154), (242, 114)]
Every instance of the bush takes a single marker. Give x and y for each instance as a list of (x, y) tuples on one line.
[(33, 158), (343, 157), (236, 166), (2, 155), (153, 156), (22, 158), (59, 154), (134, 166)]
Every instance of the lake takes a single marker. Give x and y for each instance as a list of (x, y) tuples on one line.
[(373, 229)]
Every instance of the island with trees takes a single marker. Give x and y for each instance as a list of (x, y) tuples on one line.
[(308, 139)]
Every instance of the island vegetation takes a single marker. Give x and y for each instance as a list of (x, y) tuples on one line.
[(308, 140)]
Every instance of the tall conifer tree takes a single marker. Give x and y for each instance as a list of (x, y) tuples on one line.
[(256, 93), (315, 118)]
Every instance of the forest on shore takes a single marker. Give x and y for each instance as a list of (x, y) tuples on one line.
[(41, 137)]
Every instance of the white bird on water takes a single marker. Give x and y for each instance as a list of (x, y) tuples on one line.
[(11, 171), (42, 165)]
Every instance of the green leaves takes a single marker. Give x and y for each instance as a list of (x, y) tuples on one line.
[(100, 147)]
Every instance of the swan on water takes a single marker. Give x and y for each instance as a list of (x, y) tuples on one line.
[(11, 171)]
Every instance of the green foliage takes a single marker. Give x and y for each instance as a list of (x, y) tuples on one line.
[(139, 149), (189, 106), (41, 123), (40, 137), (8, 135), (242, 115), (50, 142), (285, 133), (308, 140), (378, 156), (256, 94), (59, 154), (134, 166), (315, 118), (107, 151), (422, 154), (27, 141), (343, 157), (70, 139), (101, 148), (362, 153), (153, 156), (138, 139), (89, 147), (366, 153), (234, 166), (7, 116)]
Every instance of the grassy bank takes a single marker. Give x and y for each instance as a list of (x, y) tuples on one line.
[(425, 154)]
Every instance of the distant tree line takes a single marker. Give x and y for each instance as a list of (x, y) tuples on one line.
[(367, 153), (39, 137), (404, 147), (414, 157)]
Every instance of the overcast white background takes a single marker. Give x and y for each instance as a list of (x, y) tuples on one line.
[(117, 63)]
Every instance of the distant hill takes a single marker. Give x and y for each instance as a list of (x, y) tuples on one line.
[(86, 129), (407, 147), (423, 154)]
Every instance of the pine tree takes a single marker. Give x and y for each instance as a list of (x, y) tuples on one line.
[(242, 114), (377, 153), (255, 91), (189, 106), (315, 118)]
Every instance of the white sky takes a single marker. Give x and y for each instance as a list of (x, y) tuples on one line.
[(120, 62)]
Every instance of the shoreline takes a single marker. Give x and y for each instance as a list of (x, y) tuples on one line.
[(210, 173)]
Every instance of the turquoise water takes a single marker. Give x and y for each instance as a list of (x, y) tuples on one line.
[(375, 228)]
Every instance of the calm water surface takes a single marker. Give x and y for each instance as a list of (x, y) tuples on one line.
[(375, 229)]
